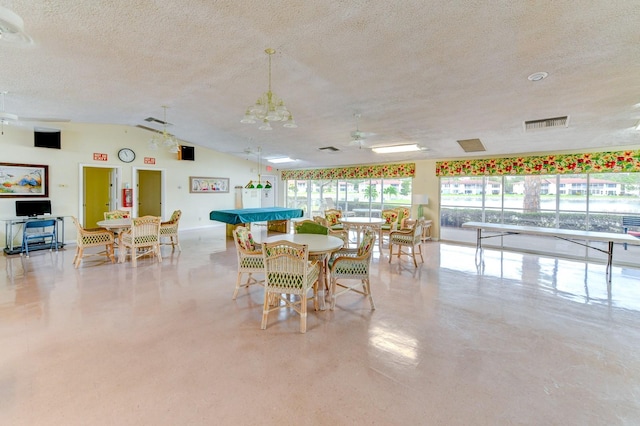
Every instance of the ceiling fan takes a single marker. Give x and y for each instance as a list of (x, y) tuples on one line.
[(358, 137), (9, 118)]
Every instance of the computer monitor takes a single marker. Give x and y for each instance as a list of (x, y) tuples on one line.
[(33, 208)]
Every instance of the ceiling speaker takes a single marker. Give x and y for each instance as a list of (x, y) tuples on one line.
[(187, 153)]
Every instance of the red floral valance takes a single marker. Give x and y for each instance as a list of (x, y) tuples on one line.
[(355, 172), (598, 162)]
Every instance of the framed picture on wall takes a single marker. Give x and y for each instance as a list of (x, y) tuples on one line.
[(207, 185), (24, 180)]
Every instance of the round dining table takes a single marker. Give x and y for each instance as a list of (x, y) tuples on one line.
[(319, 245), (359, 224), (115, 224)]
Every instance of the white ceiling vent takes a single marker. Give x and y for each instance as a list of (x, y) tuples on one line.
[(546, 123), (156, 120), (472, 145), (329, 149), (140, 126)]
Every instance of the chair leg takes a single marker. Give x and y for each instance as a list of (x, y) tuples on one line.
[(413, 255), (75, 258), (265, 309), (303, 312), (315, 296), (390, 251), (420, 253), (157, 250), (367, 288), (235, 292), (111, 253), (334, 286)]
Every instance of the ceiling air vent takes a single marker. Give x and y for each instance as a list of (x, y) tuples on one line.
[(328, 149), (155, 120), (140, 126), (472, 145), (546, 123)]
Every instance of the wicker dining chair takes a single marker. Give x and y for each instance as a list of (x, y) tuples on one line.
[(390, 217), (143, 238), (169, 230), (333, 216), (404, 213), (407, 241), (288, 272), (310, 227), (94, 237), (321, 220), (250, 259), (353, 265)]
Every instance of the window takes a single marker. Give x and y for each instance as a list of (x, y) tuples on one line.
[(359, 197), (594, 202)]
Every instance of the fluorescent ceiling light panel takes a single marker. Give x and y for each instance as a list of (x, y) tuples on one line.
[(280, 160), (396, 148)]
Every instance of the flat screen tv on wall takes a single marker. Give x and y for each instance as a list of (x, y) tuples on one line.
[(46, 138), (33, 208)]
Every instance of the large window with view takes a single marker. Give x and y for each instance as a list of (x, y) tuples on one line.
[(590, 201), (355, 197)]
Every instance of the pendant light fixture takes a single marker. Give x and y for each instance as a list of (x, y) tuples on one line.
[(165, 138), (269, 107)]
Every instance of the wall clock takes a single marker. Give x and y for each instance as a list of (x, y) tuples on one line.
[(127, 155)]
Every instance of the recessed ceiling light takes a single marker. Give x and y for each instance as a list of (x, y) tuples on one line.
[(396, 148), (537, 76), (280, 160)]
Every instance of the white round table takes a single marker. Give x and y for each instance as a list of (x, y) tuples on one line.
[(360, 223), (319, 245), (115, 224)]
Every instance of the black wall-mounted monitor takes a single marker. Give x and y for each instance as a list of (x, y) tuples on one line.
[(46, 138), (33, 208)]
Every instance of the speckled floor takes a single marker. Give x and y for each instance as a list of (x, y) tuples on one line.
[(517, 339)]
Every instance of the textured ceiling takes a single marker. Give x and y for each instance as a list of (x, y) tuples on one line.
[(430, 72)]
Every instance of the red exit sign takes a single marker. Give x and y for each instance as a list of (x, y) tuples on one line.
[(99, 157), (149, 160)]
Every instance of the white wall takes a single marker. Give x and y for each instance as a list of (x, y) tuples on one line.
[(81, 141)]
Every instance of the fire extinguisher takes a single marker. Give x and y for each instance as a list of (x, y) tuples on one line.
[(127, 197)]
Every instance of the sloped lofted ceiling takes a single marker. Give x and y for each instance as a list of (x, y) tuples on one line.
[(426, 72)]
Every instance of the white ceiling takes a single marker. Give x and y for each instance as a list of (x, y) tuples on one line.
[(430, 72)]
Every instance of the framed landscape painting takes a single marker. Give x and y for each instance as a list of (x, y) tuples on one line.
[(208, 185), (24, 180)]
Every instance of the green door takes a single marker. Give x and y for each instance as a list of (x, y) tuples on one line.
[(149, 193), (97, 190)]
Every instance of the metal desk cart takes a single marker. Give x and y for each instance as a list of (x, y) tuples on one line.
[(11, 225)]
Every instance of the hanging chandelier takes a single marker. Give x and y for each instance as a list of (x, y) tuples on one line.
[(165, 138), (269, 107)]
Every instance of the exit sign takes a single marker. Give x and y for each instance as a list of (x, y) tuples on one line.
[(99, 157), (149, 160)]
